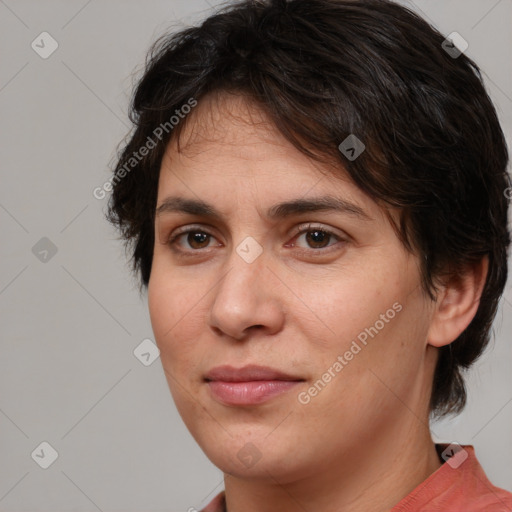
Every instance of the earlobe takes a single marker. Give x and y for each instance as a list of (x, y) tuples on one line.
[(457, 304)]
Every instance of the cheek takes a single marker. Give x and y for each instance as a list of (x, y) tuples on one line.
[(175, 330), (161, 306), (344, 309), (168, 295), (169, 310), (377, 329), (370, 386)]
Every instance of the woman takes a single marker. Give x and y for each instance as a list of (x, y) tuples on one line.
[(315, 196)]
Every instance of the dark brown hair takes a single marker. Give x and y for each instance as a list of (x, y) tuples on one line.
[(322, 70)]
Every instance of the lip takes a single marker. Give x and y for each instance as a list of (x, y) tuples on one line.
[(249, 385), (248, 373)]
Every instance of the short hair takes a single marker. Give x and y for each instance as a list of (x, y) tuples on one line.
[(323, 70)]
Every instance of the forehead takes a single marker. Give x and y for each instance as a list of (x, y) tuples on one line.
[(230, 133), (228, 150), (228, 119)]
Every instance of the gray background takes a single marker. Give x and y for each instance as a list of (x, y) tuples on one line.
[(70, 324)]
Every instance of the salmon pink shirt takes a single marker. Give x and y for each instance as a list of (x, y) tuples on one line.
[(459, 485)]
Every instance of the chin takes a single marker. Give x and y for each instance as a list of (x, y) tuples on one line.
[(257, 468), (249, 456)]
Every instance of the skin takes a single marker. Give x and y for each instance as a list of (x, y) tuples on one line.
[(363, 442)]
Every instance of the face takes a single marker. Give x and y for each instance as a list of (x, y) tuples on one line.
[(327, 296)]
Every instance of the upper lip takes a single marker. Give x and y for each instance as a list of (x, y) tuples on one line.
[(247, 373)]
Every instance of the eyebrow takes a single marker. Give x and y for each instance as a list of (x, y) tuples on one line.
[(278, 211)]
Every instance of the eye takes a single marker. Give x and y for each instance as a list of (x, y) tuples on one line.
[(196, 239), (317, 237)]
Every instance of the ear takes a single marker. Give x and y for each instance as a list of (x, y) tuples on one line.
[(457, 304)]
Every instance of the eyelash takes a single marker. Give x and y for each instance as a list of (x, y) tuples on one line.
[(300, 231)]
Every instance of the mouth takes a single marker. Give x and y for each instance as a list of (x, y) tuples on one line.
[(249, 385)]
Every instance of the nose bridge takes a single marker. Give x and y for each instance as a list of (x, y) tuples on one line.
[(240, 289), (246, 262), (243, 298)]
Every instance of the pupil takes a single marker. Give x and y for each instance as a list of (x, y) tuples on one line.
[(317, 237), (197, 238)]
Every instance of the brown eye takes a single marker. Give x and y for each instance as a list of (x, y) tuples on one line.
[(197, 239), (317, 238)]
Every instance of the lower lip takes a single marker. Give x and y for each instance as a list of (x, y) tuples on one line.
[(249, 393)]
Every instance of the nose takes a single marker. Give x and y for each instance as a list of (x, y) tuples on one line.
[(247, 299)]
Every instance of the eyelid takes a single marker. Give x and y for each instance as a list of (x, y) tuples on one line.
[(297, 231), (310, 226), (186, 229)]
